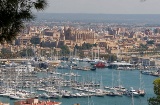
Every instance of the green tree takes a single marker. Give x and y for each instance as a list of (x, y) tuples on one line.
[(35, 40), (112, 57), (81, 54), (95, 45), (150, 42), (143, 47), (5, 53), (13, 13), (155, 100), (65, 50), (27, 52), (86, 46)]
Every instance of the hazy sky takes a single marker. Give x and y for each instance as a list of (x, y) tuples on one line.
[(104, 6)]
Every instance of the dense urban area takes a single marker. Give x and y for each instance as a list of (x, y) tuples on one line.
[(49, 60), (105, 40)]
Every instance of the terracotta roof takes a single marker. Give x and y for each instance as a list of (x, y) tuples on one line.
[(30, 102)]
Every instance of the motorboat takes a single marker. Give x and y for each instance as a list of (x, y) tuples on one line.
[(132, 92), (100, 65), (120, 65)]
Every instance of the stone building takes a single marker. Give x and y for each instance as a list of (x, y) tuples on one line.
[(80, 36)]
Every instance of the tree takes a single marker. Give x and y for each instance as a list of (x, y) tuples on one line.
[(65, 50), (112, 58), (13, 13), (27, 52), (150, 42), (86, 46), (143, 47), (5, 53), (35, 40), (155, 100), (81, 54)]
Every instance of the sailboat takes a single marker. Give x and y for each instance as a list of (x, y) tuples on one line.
[(116, 91), (120, 88), (45, 95), (132, 100), (100, 92), (74, 57), (141, 91), (54, 59), (16, 94)]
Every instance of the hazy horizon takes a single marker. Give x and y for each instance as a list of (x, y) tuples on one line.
[(110, 18), (99, 13), (103, 6)]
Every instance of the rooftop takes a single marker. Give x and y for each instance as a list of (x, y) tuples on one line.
[(36, 102)]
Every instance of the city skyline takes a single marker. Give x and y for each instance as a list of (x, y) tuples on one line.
[(103, 6)]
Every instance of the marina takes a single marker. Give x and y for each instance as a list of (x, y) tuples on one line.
[(80, 56), (69, 86)]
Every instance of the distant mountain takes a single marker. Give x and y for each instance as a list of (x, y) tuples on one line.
[(106, 18)]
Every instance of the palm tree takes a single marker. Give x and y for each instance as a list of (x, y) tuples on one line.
[(13, 13)]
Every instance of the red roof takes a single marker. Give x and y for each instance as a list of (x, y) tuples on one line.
[(30, 102)]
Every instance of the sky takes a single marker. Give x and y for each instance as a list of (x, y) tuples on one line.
[(103, 6)]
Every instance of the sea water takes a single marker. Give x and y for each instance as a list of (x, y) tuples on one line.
[(108, 77)]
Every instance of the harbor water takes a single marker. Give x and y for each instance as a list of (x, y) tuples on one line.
[(108, 77)]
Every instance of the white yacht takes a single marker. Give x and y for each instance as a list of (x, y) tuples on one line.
[(132, 92), (120, 65), (25, 67)]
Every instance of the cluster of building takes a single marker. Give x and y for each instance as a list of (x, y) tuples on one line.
[(33, 101), (122, 40)]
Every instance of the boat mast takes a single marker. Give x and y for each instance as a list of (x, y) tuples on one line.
[(112, 79), (92, 53), (51, 54), (119, 79), (98, 52), (95, 55), (132, 99), (118, 52)]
